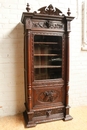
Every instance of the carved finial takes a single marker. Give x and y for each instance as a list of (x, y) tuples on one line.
[(27, 8), (68, 12)]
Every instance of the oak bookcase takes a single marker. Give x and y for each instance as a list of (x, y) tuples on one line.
[(46, 65)]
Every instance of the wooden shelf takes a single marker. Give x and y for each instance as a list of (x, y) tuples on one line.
[(46, 54), (44, 66), (45, 43)]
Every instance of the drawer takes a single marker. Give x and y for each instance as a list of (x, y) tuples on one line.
[(49, 112)]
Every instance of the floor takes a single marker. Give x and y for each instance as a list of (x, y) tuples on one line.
[(79, 122)]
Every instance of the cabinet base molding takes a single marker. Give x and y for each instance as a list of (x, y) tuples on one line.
[(27, 122), (68, 117), (37, 120), (42, 119)]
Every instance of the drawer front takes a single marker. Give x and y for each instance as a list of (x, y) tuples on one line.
[(49, 112), (44, 25), (48, 96)]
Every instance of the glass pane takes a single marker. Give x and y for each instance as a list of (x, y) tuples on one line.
[(47, 57)]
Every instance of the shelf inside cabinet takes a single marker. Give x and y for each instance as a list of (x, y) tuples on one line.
[(45, 43), (46, 54), (44, 66)]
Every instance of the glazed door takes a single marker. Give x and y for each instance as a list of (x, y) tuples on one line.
[(47, 57)]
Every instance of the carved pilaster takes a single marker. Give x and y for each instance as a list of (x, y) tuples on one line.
[(67, 116), (29, 72), (68, 26), (28, 24), (67, 69)]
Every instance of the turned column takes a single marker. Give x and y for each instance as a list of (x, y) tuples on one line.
[(67, 66)]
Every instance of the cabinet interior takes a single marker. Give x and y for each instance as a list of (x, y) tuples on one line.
[(47, 57)]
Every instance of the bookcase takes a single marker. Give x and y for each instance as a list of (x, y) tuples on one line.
[(46, 65)]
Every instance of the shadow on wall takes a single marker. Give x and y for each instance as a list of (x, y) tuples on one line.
[(12, 69)]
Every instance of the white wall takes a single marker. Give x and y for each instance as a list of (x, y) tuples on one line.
[(11, 53)]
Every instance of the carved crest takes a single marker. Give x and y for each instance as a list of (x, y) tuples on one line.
[(49, 10), (46, 10)]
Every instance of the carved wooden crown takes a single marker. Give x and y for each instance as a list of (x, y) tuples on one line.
[(50, 10)]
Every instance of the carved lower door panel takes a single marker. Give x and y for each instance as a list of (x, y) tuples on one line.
[(47, 96)]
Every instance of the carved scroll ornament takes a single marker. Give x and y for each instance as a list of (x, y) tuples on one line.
[(49, 10), (48, 24)]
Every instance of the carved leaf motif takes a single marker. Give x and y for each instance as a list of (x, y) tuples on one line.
[(40, 113), (48, 96), (42, 10), (48, 24)]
